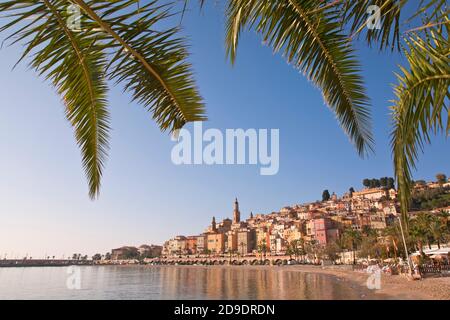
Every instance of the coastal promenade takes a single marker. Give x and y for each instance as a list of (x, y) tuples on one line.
[(223, 260)]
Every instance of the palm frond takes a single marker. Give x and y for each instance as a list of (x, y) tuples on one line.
[(422, 98), (389, 35), (75, 65), (152, 66), (119, 40), (430, 11), (312, 41), (355, 13)]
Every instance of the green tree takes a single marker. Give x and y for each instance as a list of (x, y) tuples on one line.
[(420, 182), (390, 183), (445, 218), (420, 230), (375, 183), (332, 251), (352, 239), (441, 178), (369, 246), (295, 248), (438, 230), (325, 195), (351, 191), (420, 101), (312, 249), (366, 183), (118, 41), (97, 257), (289, 251), (262, 248)]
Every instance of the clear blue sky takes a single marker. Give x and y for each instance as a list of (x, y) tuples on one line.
[(44, 203)]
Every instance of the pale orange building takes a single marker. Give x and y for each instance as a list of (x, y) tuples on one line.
[(191, 244), (215, 242)]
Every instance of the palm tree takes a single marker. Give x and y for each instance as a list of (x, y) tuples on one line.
[(352, 239), (393, 235), (437, 230), (119, 41), (296, 247), (230, 254), (312, 249), (441, 178), (289, 251), (425, 219), (420, 230), (445, 218), (262, 249), (301, 248)]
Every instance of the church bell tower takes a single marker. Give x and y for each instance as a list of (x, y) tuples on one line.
[(213, 224), (236, 212)]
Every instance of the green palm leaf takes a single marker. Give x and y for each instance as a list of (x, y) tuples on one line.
[(119, 41), (355, 13), (152, 66), (312, 41), (422, 97), (75, 65)]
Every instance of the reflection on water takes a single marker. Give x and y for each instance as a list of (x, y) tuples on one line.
[(174, 282)]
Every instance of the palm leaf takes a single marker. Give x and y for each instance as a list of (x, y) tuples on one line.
[(422, 97), (150, 64), (355, 14), (312, 41), (119, 40), (75, 65)]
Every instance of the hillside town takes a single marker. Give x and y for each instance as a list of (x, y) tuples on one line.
[(366, 221)]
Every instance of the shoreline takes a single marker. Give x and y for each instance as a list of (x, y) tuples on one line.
[(396, 287), (393, 287)]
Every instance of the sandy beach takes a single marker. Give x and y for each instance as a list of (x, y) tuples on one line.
[(396, 287), (393, 287)]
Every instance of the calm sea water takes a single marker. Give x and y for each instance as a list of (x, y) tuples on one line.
[(172, 282)]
